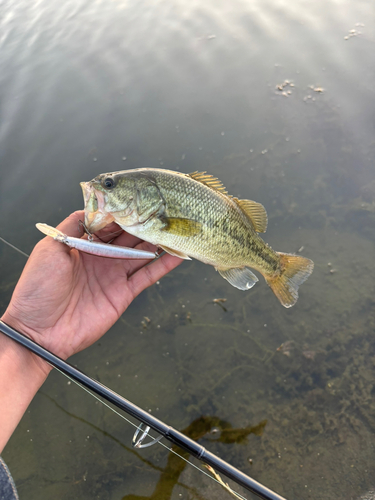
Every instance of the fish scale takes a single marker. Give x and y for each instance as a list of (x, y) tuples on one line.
[(227, 237)]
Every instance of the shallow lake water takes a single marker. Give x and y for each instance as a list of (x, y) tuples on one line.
[(274, 98)]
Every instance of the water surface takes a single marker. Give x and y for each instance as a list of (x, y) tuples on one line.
[(276, 99)]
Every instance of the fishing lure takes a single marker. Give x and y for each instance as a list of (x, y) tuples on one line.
[(95, 248)]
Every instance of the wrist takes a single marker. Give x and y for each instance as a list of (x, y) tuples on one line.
[(21, 376), (20, 355)]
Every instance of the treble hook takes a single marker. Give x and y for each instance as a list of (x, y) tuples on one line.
[(83, 225), (90, 236), (137, 443)]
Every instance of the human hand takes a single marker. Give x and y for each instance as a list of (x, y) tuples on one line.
[(66, 300)]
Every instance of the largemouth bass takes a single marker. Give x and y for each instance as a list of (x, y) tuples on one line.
[(192, 215)]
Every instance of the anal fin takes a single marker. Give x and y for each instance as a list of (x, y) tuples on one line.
[(239, 277)]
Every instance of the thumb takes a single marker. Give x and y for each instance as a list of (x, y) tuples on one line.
[(71, 225)]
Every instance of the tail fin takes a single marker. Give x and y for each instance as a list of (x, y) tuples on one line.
[(294, 270)]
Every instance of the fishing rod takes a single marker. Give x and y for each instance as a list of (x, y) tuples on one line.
[(148, 421)]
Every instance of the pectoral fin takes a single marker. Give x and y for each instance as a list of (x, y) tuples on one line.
[(176, 253), (255, 212), (181, 227), (239, 277)]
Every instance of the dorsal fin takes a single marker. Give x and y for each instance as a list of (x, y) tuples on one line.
[(209, 180), (255, 212)]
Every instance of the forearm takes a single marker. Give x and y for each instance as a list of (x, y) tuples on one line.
[(21, 375)]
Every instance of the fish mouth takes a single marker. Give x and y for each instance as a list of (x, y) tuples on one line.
[(96, 216), (86, 191)]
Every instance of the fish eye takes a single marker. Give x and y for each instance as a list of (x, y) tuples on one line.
[(108, 182)]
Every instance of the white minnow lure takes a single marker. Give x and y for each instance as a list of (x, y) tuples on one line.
[(94, 248)]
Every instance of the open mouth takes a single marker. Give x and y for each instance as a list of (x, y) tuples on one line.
[(95, 215), (89, 196)]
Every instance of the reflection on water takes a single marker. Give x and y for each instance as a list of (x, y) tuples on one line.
[(276, 99), (175, 466)]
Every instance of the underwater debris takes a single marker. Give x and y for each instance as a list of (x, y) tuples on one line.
[(309, 354), (354, 32), (309, 98), (145, 322), (239, 435), (220, 302), (229, 434), (289, 346), (224, 485), (207, 37), (332, 271), (370, 495), (318, 90), (286, 347), (287, 84)]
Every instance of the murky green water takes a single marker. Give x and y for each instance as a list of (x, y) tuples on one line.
[(194, 86)]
